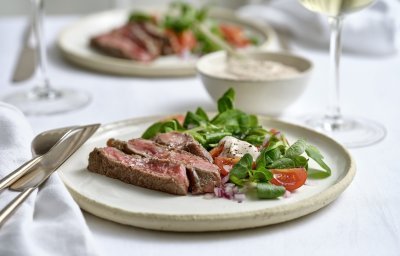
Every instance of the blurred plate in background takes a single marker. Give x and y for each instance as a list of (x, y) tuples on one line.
[(74, 44)]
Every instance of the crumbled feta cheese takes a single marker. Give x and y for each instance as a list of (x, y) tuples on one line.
[(237, 148)]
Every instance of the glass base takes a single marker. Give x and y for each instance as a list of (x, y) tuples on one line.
[(352, 132), (42, 101)]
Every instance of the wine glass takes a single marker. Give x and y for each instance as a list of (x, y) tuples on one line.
[(350, 131), (43, 99)]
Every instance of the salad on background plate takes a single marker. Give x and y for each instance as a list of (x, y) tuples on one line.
[(156, 42)]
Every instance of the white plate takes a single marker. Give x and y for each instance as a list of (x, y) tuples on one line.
[(74, 44), (127, 204)]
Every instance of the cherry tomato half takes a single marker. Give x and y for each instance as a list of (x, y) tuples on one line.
[(187, 40), (291, 179), (225, 164), (181, 41), (234, 35)]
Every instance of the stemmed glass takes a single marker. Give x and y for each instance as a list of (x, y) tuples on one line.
[(43, 99), (350, 131)]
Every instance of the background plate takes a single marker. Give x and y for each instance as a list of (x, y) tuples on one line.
[(127, 204), (74, 44)]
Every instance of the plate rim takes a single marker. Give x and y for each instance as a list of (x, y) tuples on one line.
[(288, 211), (116, 66)]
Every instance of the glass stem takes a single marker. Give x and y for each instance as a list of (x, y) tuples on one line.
[(333, 113), (43, 87)]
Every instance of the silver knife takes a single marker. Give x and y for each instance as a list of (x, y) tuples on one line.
[(46, 165), (26, 64)]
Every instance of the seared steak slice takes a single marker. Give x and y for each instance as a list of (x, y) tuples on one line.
[(116, 43), (203, 175), (149, 173), (183, 141), (137, 34), (160, 36)]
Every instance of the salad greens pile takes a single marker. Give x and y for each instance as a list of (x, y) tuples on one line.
[(183, 16), (276, 152), (228, 122)]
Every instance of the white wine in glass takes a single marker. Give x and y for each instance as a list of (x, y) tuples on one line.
[(350, 131), (43, 99)]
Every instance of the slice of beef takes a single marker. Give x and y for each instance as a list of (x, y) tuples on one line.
[(149, 173), (136, 32), (183, 141), (117, 44), (160, 35), (203, 175)]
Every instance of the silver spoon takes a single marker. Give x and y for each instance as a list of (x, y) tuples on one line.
[(44, 141)]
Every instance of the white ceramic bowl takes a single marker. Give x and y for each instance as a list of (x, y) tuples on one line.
[(269, 96)]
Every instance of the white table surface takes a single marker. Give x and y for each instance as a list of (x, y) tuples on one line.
[(364, 220)]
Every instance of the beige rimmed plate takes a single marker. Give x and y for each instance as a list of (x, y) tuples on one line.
[(127, 204), (73, 42)]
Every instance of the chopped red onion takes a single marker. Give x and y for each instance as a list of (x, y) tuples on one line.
[(225, 179), (230, 185), (239, 197), (218, 192), (287, 194), (228, 191)]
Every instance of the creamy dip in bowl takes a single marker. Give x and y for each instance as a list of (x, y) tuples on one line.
[(265, 82)]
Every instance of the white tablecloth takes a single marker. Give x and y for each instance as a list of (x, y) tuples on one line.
[(364, 220)]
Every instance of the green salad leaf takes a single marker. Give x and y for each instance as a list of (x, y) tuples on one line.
[(182, 16), (228, 122), (242, 168), (314, 154), (162, 127), (226, 101), (138, 16), (269, 191)]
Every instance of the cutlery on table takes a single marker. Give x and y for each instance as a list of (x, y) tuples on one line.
[(41, 144), (26, 64), (32, 174)]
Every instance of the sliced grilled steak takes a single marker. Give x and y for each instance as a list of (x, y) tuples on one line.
[(116, 43), (137, 34), (159, 35), (203, 175), (183, 141), (149, 173), (121, 47)]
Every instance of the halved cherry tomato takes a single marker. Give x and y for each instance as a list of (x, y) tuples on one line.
[(225, 164), (187, 40), (291, 179), (181, 41), (234, 35), (217, 150)]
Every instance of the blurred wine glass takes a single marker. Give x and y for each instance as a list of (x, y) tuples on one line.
[(43, 99), (350, 131)]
